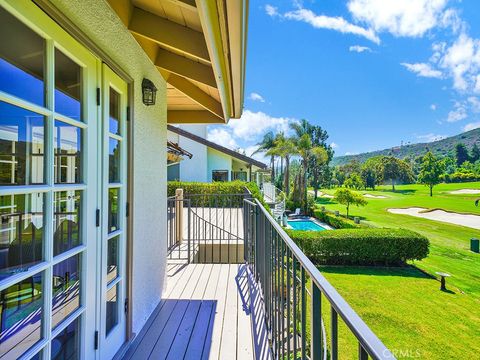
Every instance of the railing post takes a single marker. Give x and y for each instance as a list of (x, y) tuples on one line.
[(179, 215), (334, 334), (316, 322), (362, 354)]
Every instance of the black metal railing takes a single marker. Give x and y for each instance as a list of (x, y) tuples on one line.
[(206, 228), (298, 299)]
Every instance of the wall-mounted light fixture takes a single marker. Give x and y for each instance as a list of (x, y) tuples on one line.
[(149, 92)]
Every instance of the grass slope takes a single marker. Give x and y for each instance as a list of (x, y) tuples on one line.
[(441, 148), (403, 306)]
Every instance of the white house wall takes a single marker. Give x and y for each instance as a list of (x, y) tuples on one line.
[(218, 161), (98, 21), (194, 169)]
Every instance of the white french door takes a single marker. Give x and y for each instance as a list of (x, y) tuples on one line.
[(113, 177), (63, 175)]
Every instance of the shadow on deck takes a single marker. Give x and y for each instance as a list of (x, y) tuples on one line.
[(209, 311)]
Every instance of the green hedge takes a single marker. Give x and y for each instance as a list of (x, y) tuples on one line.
[(221, 188), (337, 222), (362, 246)]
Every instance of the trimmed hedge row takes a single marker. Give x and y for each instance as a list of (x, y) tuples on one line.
[(220, 188), (337, 222), (362, 246)]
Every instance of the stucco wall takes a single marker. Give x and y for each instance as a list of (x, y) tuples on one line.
[(97, 20), (218, 161), (194, 169)]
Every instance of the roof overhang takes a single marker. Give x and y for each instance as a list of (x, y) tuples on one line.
[(246, 159), (199, 47)]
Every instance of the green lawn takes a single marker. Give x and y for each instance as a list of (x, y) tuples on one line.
[(403, 306)]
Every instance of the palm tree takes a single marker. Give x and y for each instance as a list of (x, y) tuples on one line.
[(264, 146), (285, 148)]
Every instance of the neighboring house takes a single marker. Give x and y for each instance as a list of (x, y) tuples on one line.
[(209, 161), (86, 90)]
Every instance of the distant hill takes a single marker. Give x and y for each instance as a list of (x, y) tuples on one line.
[(439, 148)]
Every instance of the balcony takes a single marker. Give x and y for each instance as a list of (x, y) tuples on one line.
[(239, 288)]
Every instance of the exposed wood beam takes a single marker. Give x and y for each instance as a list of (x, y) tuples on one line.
[(187, 68), (192, 117), (196, 94), (169, 34), (186, 4), (123, 8)]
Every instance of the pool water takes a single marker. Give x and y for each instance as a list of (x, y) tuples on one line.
[(306, 225)]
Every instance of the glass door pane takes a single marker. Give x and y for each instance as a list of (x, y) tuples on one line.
[(113, 287)]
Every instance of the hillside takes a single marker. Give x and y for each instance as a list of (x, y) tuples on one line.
[(440, 148)]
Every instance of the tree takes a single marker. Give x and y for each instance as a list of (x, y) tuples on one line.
[(267, 143), (461, 154), (393, 169), (371, 172), (319, 159), (475, 153), (354, 181), (431, 170), (307, 152), (346, 197), (285, 148)]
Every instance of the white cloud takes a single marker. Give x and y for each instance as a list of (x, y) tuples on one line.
[(222, 137), (423, 69), (462, 61), (409, 18), (256, 97), (359, 49), (474, 104), (431, 137), (433, 107), (252, 125), (334, 145), (271, 10), (332, 23), (471, 126), (351, 153), (459, 113)]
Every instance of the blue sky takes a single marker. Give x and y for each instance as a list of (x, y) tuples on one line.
[(373, 73)]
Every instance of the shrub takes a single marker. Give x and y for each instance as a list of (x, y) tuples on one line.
[(221, 188), (337, 222), (361, 246)]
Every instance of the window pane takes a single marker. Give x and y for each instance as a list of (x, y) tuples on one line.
[(68, 153), (68, 86), (220, 175), (21, 232), (112, 309), (66, 346), (66, 221), (114, 160), (66, 289), (114, 112), (112, 259), (21, 317), (22, 54), (21, 146), (113, 214)]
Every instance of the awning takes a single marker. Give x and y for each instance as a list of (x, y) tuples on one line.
[(175, 153)]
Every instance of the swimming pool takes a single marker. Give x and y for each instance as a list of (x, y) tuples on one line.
[(305, 225)]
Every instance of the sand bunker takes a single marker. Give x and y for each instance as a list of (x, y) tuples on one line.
[(321, 194), (472, 221), (465, 192), (370, 196)]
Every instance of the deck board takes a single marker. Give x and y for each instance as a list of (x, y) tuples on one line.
[(205, 313)]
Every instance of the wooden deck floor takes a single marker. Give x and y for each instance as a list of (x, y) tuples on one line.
[(209, 311)]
